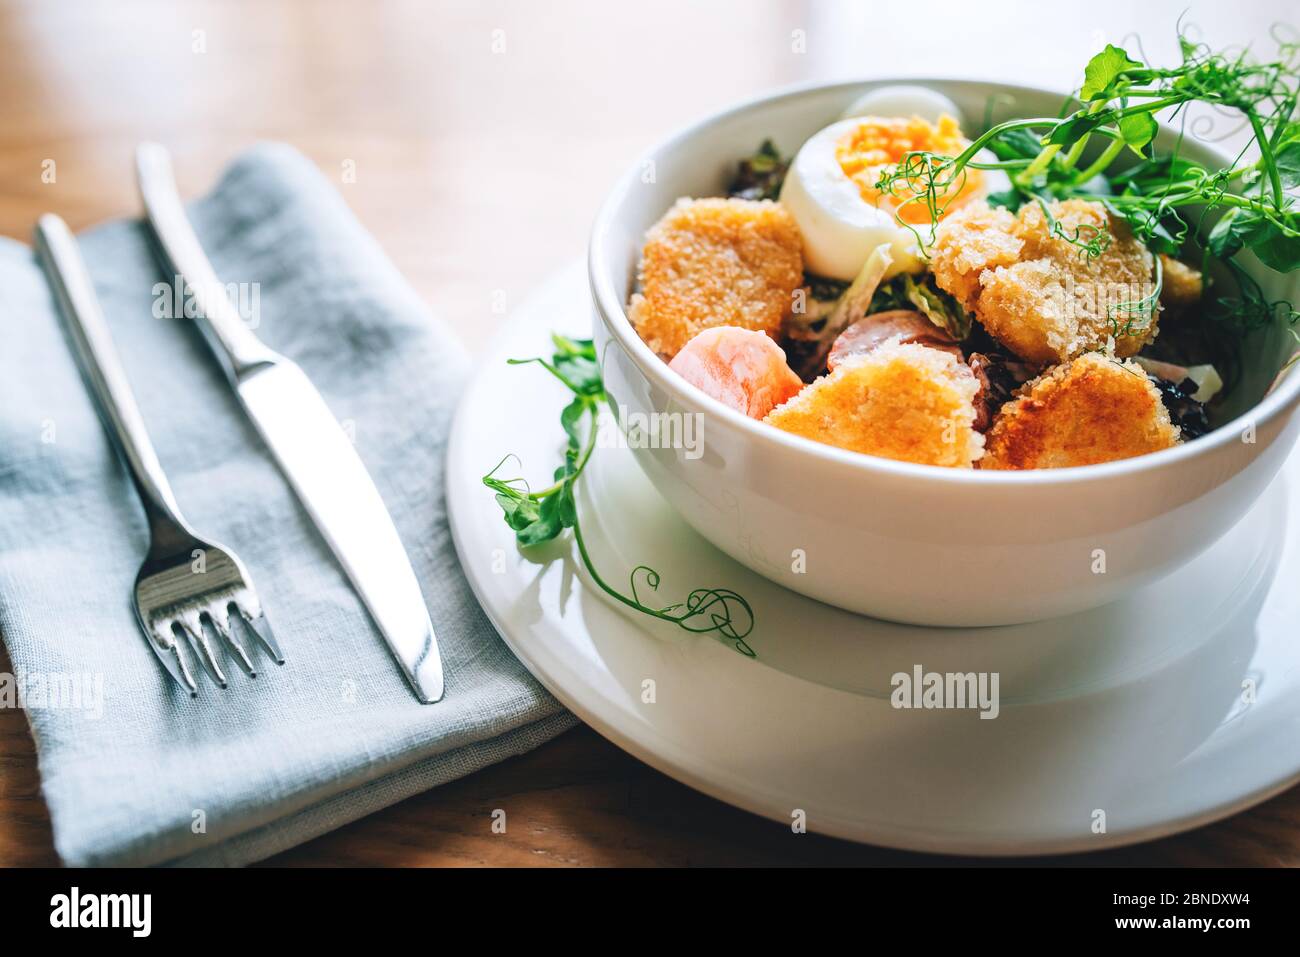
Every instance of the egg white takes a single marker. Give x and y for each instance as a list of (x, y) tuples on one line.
[(904, 100), (840, 228)]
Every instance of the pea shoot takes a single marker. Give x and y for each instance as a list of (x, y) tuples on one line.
[(1164, 199), (543, 515)]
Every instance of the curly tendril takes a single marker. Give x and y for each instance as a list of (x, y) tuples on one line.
[(543, 515), (705, 610)]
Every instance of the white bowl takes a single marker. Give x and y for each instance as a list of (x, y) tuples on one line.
[(918, 543)]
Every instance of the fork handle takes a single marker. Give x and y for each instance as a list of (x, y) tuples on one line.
[(103, 373)]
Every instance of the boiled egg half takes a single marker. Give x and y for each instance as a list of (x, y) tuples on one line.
[(903, 100), (831, 190)]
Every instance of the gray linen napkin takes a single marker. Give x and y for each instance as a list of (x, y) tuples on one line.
[(133, 770)]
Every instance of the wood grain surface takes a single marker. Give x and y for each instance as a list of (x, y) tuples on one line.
[(483, 136)]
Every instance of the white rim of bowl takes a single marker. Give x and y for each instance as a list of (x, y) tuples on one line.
[(612, 311)]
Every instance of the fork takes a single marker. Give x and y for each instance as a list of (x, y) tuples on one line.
[(187, 586)]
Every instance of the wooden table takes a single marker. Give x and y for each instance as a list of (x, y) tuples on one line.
[(483, 136)]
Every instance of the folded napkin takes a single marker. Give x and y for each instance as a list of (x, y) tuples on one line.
[(133, 770)]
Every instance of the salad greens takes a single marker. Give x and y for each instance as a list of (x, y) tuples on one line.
[(936, 305), (541, 516), (1164, 199), (760, 176), (835, 305)]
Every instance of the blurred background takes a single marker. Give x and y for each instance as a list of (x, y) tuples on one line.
[(482, 136)]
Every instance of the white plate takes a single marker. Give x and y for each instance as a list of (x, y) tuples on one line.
[(1175, 707)]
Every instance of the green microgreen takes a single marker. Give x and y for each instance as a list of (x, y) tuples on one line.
[(542, 516), (1137, 315), (1164, 199)]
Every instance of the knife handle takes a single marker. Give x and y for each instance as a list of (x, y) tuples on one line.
[(244, 352)]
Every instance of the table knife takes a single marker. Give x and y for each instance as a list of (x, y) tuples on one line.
[(306, 440)]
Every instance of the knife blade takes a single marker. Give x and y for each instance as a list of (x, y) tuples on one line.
[(309, 445)]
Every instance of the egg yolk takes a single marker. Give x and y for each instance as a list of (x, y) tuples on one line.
[(880, 142)]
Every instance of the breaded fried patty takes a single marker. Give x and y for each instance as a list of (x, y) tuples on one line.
[(969, 243), (900, 401), (1035, 291), (1094, 409), (716, 262), (1182, 285)]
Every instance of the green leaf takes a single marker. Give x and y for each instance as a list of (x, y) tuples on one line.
[(576, 369), (1161, 239), (545, 526), (568, 508), (571, 420), (576, 348), (582, 372), (1015, 144), (938, 307), (1231, 232), (1160, 173), (1275, 249), (1148, 228), (520, 510), (1287, 160), (570, 467), (1244, 228), (1072, 127), (1010, 199), (1103, 70), (1138, 129)]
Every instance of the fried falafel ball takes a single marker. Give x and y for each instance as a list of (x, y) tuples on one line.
[(716, 262), (1093, 409), (1036, 291), (901, 401)]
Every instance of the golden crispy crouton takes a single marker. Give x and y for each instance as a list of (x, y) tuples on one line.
[(1181, 286), (1094, 409), (1037, 292), (716, 262), (900, 401)]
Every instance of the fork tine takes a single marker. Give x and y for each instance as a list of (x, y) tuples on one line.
[(199, 640), (260, 627), (220, 633), (219, 627), (168, 651)]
